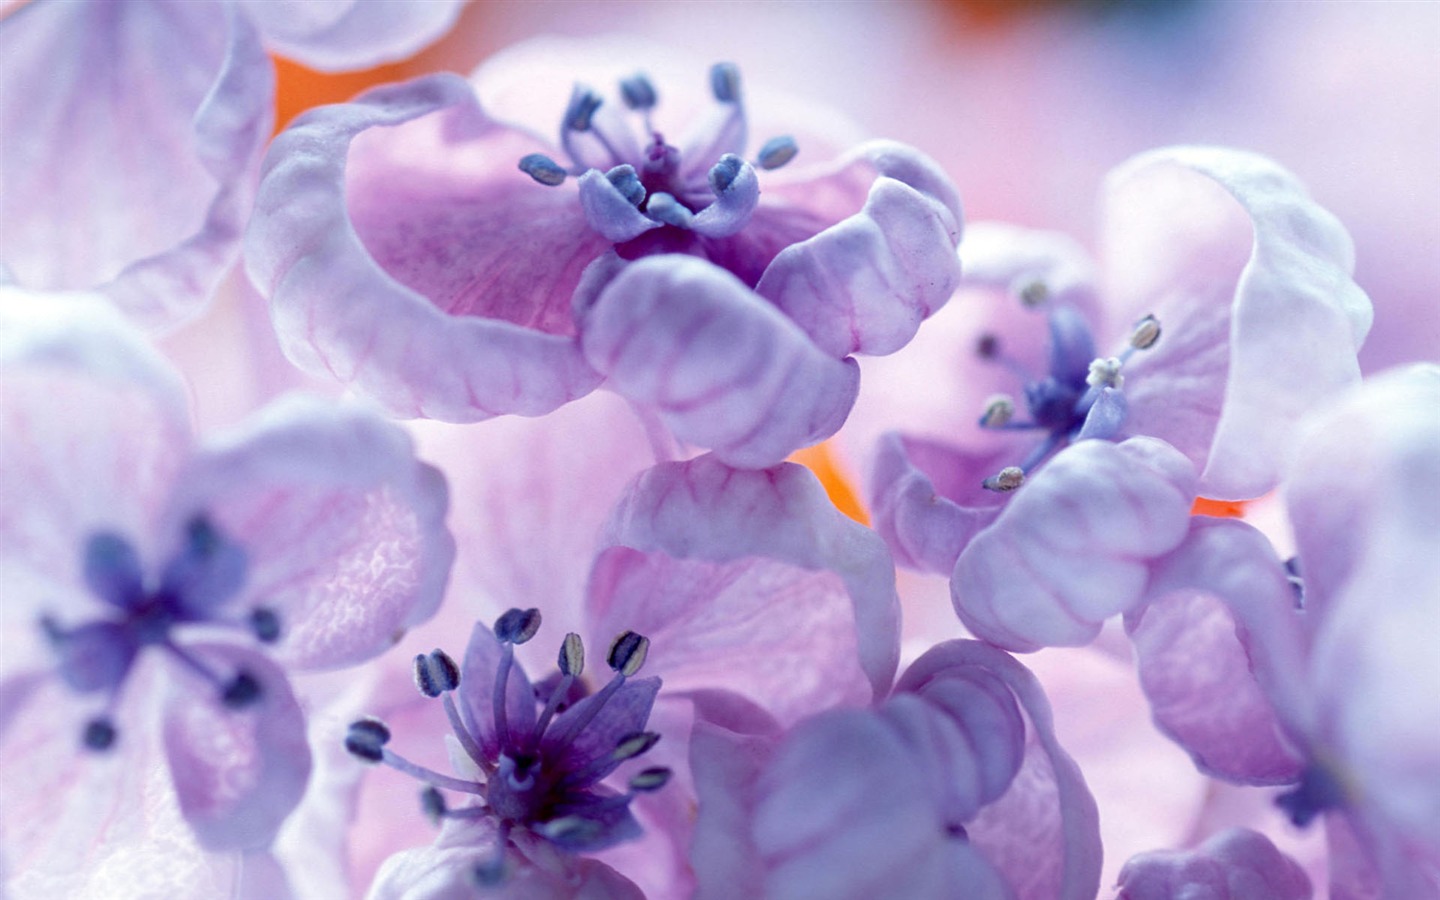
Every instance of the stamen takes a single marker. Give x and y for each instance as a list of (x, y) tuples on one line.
[(1146, 333), (1033, 293), (99, 734), (265, 623), (572, 830), (1317, 792), (987, 346), (723, 173), (627, 652), (628, 747), (242, 691), (777, 152), (638, 92), (366, 739), (572, 664), (651, 779), (572, 656), (725, 82), (462, 734), (665, 208), (1105, 373), (516, 626), (583, 103), (999, 410), (628, 183), (543, 169), (1297, 583), (436, 673), (1006, 480), (432, 804)]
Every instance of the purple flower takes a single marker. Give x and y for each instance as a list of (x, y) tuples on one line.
[(418, 263), (1238, 864), (1315, 674), (1219, 328), (955, 779), (144, 575), (133, 131)]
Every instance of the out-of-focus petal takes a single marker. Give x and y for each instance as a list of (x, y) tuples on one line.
[(1279, 262), (338, 35), (148, 196), (238, 773), (1238, 864), (1008, 258), (724, 369), (705, 510), (343, 529), (394, 313), (1070, 548)]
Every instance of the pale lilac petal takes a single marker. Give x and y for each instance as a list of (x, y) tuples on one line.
[(1196, 674), (478, 674), (865, 284), (724, 369), (380, 301), (95, 432), (238, 773), (1107, 417), (705, 510), (1238, 864), (351, 34), (1278, 267), (343, 529), (1070, 548), (1008, 258), (153, 223)]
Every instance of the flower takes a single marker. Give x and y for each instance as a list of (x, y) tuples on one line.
[(1228, 323), (417, 263), (1314, 672), (1238, 864), (148, 198), (143, 573)]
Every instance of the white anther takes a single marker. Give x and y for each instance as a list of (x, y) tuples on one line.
[(1007, 479), (999, 410), (1146, 333), (1105, 373)]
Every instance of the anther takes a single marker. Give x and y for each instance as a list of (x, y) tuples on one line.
[(242, 691), (543, 169), (665, 208), (987, 346), (516, 626), (651, 779), (777, 152), (725, 82), (436, 673), (1033, 293), (1105, 373), (265, 623), (432, 804), (1006, 480), (633, 745), (99, 734), (724, 172), (366, 739), (628, 183), (490, 873), (583, 103), (568, 830), (1146, 333), (999, 410), (627, 652), (572, 655), (638, 92)]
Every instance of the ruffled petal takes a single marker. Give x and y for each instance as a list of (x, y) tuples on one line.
[(703, 510), (1238, 864), (351, 34), (1274, 277), (1070, 548), (238, 773), (151, 222), (356, 249), (723, 369), (865, 284), (343, 529)]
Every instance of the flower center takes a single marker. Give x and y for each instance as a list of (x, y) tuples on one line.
[(97, 656), (1317, 792), (1080, 396)]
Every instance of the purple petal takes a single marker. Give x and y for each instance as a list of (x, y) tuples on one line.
[(1274, 273), (343, 529), (477, 692), (356, 249), (865, 284), (207, 570), (238, 773), (703, 510), (624, 714), (152, 223), (1072, 346), (1238, 864), (1070, 548), (112, 570), (353, 34), (1008, 258), (723, 369)]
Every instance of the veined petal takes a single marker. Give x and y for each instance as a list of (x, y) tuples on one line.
[(238, 773), (1237, 864), (703, 510), (152, 222), (477, 692), (723, 369), (1277, 267), (360, 269), (340, 35), (1070, 548), (342, 528), (624, 714)]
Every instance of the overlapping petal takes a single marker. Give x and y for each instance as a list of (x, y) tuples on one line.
[(1238, 864)]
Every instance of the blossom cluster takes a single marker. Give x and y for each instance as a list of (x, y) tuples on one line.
[(647, 490)]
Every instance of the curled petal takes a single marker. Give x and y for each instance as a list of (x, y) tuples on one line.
[(732, 206), (351, 34), (110, 212), (238, 773), (1071, 546), (1238, 864), (703, 510), (360, 266), (724, 369), (343, 529)]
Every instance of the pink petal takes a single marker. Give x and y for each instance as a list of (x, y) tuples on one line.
[(352, 34), (703, 510), (1069, 550), (153, 223), (238, 773), (1238, 864), (375, 302), (344, 530), (723, 369)]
